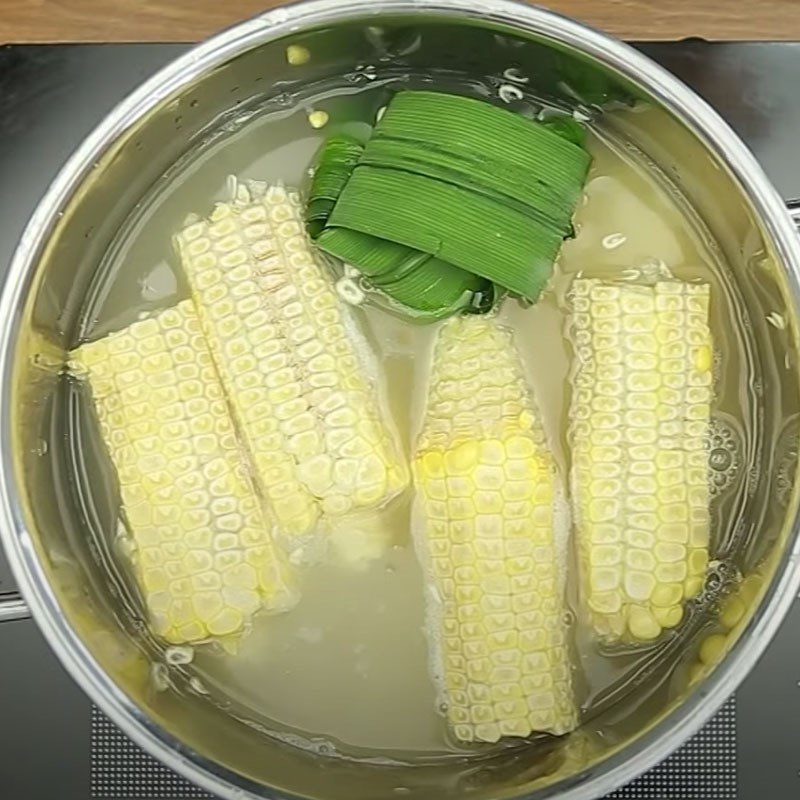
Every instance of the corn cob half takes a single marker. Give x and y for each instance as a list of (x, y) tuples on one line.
[(289, 361), (640, 421), (204, 559), (492, 537)]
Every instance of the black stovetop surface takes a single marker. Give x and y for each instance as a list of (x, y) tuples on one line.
[(52, 95)]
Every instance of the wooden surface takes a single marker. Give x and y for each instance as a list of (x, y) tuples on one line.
[(189, 20)]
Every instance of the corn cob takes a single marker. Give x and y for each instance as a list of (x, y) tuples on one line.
[(493, 540), (204, 558), (281, 339), (640, 420)]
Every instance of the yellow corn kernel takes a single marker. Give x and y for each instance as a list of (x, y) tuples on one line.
[(297, 55), (732, 611), (712, 648), (318, 119), (290, 361), (204, 557), (640, 416), (492, 534)]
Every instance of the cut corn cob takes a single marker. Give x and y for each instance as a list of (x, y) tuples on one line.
[(640, 421), (493, 539), (289, 361), (204, 558)]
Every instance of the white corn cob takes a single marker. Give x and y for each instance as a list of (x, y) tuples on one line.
[(204, 559), (287, 354), (493, 538), (639, 429)]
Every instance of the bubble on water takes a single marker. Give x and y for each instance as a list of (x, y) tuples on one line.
[(177, 655), (720, 578), (724, 454), (41, 448), (514, 75), (720, 459), (362, 72), (614, 240), (323, 748), (508, 93)]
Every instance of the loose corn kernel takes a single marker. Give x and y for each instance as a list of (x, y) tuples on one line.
[(732, 611), (712, 648), (297, 55), (318, 119)]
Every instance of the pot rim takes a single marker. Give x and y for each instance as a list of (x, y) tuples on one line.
[(677, 726)]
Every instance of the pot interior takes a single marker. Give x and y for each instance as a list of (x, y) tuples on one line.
[(95, 260)]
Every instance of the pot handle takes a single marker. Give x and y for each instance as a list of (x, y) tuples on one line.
[(12, 607)]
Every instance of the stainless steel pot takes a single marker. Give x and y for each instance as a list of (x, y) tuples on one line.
[(61, 577)]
